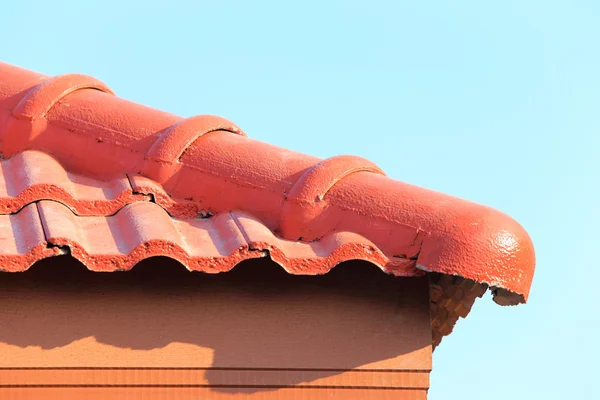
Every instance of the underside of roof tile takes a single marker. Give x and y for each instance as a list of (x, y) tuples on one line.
[(114, 182)]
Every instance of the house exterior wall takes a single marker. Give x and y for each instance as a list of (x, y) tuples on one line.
[(254, 332)]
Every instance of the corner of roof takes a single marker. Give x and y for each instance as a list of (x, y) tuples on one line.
[(486, 246)]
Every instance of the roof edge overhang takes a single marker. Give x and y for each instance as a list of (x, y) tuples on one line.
[(79, 121)]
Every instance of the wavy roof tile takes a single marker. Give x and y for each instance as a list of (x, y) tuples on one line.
[(114, 182)]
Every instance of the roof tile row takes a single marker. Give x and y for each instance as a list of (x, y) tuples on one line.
[(143, 229), (33, 175)]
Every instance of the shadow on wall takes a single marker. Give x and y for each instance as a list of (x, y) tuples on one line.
[(256, 316)]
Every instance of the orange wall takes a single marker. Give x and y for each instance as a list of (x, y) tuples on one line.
[(245, 332)]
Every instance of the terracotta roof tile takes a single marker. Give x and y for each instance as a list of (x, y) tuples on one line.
[(23, 240), (143, 229), (32, 175), (129, 182)]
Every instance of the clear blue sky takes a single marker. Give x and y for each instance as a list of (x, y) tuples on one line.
[(494, 103)]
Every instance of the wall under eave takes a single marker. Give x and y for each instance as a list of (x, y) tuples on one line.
[(255, 332)]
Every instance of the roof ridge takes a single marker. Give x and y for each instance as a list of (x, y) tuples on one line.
[(94, 133)]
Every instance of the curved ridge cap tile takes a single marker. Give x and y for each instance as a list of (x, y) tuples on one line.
[(484, 245), (41, 98), (162, 160), (28, 120), (306, 199)]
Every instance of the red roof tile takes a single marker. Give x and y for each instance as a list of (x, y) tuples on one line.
[(69, 139), (31, 176), (212, 245)]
